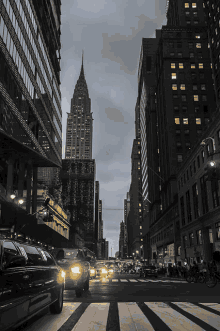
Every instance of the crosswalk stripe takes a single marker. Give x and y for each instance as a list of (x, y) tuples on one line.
[(133, 280), (206, 316), (123, 280), (175, 320), (107, 280), (130, 312), (215, 306), (94, 318)]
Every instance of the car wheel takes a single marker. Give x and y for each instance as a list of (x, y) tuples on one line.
[(57, 306), (86, 286), (79, 292)]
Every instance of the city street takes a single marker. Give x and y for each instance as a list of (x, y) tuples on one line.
[(143, 304)]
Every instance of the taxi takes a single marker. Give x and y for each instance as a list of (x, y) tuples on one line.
[(76, 267)]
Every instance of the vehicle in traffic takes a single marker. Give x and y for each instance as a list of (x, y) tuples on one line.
[(148, 271), (76, 267), (101, 269), (30, 281)]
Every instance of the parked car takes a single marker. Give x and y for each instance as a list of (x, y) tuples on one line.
[(30, 281), (76, 267), (148, 271)]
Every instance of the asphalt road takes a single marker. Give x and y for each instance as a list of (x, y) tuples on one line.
[(128, 302)]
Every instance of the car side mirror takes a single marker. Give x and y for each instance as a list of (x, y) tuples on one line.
[(16, 261)]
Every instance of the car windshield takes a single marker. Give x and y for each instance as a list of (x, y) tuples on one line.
[(67, 254)]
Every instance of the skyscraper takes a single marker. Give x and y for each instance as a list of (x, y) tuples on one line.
[(79, 122)]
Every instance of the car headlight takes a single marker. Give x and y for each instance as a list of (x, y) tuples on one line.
[(63, 274), (111, 270), (92, 271), (104, 271), (76, 270)]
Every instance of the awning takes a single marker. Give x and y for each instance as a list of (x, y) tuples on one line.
[(10, 145)]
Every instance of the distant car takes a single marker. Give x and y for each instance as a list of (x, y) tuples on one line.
[(30, 281), (147, 271), (76, 267), (92, 271), (101, 270)]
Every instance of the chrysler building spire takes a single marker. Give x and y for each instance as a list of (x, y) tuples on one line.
[(81, 85)]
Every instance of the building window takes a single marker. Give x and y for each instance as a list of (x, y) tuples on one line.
[(185, 121), (203, 87), (171, 44), (172, 54), (198, 45), (173, 65), (186, 132), (198, 161), (184, 241), (194, 166), (199, 237), (215, 197), (198, 36), (176, 109), (194, 5), (175, 96), (195, 200), (177, 132), (204, 195), (187, 145), (203, 156), (200, 65), (188, 22), (183, 97), (188, 207), (193, 66), (210, 236), (177, 120), (198, 121), (204, 98), (191, 238), (206, 119), (182, 87), (184, 109), (179, 158), (217, 226), (182, 208), (196, 109), (195, 88), (196, 98), (201, 76), (190, 45), (191, 55), (174, 87), (186, 4), (180, 54), (173, 75), (195, 13), (181, 66)]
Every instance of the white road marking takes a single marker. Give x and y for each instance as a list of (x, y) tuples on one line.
[(94, 318), (123, 280), (215, 305), (204, 315), (174, 320), (132, 280)]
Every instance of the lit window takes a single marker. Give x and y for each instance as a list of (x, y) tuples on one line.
[(198, 120), (185, 121), (177, 120), (173, 75), (173, 65), (196, 98), (194, 5), (174, 86), (198, 45), (198, 36), (140, 226), (182, 87), (200, 65), (193, 66), (186, 4), (181, 65)]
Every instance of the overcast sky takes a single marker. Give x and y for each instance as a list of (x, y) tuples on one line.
[(110, 32)]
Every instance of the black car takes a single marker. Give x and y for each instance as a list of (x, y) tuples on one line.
[(30, 281), (76, 267), (148, 271)]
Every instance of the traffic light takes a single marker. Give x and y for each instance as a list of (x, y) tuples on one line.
[(212, 170)]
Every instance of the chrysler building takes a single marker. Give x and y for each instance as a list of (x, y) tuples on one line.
[(79, 122)]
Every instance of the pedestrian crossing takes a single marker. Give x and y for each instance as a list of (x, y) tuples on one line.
[(108, 280), (132, 316)]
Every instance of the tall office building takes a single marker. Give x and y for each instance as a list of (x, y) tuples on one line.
[(179, 107), (79, 122), (30, 101)]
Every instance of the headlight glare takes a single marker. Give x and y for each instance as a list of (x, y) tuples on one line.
[(92, 271), (76, 270), (104, 271), (63, 274)]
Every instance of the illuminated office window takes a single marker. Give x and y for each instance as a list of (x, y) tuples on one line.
[(182, 87), (181, 66), (173, 65), (173, 75), (186, 4), (193, 66), (185, 121), (196, 98), (194, 5), (200, 65), (177, 120), (198, 45), (198, 121), (174, 87)]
